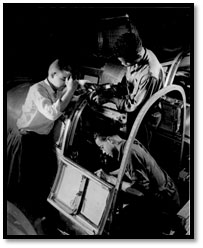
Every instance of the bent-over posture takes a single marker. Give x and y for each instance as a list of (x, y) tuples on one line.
[(155, 192)]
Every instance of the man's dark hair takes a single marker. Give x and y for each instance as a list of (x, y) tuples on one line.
[(128, 46), (64, 64)]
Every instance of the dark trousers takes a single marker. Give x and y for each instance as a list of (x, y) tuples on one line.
[(31, 169), (14, 155), (145, 216)]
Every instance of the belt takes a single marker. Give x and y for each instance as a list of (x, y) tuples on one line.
[(24, 131)]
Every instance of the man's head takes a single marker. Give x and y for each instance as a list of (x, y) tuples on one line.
[(108, 144), (59, 73), (128, 49)]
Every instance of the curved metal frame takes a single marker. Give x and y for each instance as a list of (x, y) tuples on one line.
[(135, 129), (72, 123), (172, 71)]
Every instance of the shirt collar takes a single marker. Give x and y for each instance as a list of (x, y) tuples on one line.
[(53, 91)]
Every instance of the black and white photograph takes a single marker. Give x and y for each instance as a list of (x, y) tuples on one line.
[(99, 103)]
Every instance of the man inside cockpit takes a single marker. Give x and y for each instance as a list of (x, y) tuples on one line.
[(155, 194)]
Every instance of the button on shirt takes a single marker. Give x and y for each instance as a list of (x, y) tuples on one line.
[(41, 108)]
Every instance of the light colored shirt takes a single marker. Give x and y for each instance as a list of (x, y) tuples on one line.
[(41, 108), (141, 82)]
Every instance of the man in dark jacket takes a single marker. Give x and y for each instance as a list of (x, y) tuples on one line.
[(156, 197)]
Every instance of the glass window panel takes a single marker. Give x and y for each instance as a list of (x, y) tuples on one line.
[(95, 202)]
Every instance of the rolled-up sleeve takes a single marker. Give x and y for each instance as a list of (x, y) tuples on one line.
[(45, 104)]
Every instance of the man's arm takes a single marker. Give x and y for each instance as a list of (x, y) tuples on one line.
[(131, 102), (125, 186), (51, 110), (70, 89), (112, 180)]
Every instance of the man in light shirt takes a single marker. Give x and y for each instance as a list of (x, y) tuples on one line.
[(47, 100), (30, 155), (144, 76)]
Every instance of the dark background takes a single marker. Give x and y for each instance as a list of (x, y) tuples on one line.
[(35, 34)]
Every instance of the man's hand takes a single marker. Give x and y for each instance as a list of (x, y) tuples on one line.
[(68, 92), (70, 84), (101, 174), (110, 179)]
